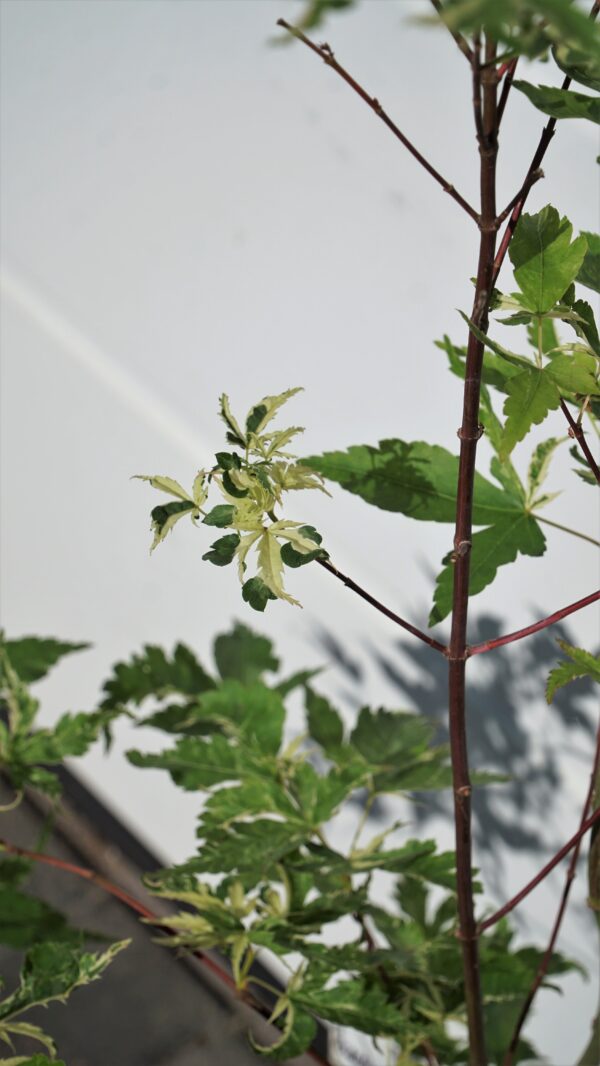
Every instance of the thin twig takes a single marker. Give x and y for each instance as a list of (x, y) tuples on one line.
[(543, 873), (509, 74), (576, 431), (458, 37), (140, 908), (547, 956), (381, 607), (530, 180), (498, 642), (325, 53), (476, 69)]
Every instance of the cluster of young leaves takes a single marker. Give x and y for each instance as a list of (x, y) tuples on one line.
[(27, 752), (276, 884), (55, 962), (52, 970), (419, 479), (252, 480)]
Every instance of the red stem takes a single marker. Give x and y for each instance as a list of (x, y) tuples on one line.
[(137, 906), (324, 51), (545, 961), (381, 607), (576, 431), (543, 873), (489, 645), (458, 37)]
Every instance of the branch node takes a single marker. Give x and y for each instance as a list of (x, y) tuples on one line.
[(460, 432), (464, 791), (461, 549)]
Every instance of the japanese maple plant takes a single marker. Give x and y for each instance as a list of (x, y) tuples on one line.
[(434, 974)]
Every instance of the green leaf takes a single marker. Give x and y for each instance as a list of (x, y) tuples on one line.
[(418, 479), (585, 325), (222, 551), (531, 396), (580, 65), (324, 723), (561, 103), (32, 657), (544, 259), (299, 1031), (256, 593), (220, 516), (244, 655), (352, 1003), (195, 763), (166, 516), (589, 274), (25, 920), (231, 488), (294, 558), (250, 849), (153, 673), (524, 27), (52, 971), (256, 712), (575, 373), (491, 548), (582, 664)]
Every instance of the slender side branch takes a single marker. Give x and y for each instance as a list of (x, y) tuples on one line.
[(536, 162), (543, 873), (140, 908), (381, 607), (518, 634), (576, 431), (547, 956), (324, 51), (506, 87), (530, 180), (567, 529), (458, 37)]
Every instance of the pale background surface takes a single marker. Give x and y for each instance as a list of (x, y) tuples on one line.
[(187, 210)]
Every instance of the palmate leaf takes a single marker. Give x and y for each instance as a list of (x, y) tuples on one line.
[(154, 673), (25, 920), (417, 479), (583, 664), (32, 657), (561, 103), (244, 655), (195, 763), (491, 548), (532, 394), (52, 971), (544, 259)]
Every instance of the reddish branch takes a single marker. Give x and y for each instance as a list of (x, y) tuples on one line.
[(543, 873), (140, 908), (325, 53), (489, 645), (458, 37), (469, 433), (382, 608), (576, 431), (546, 959), (509, 74)]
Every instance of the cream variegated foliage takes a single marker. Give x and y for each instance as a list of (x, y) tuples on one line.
[(252, 480)]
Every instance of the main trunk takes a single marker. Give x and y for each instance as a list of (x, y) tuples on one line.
[(469, 434)]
